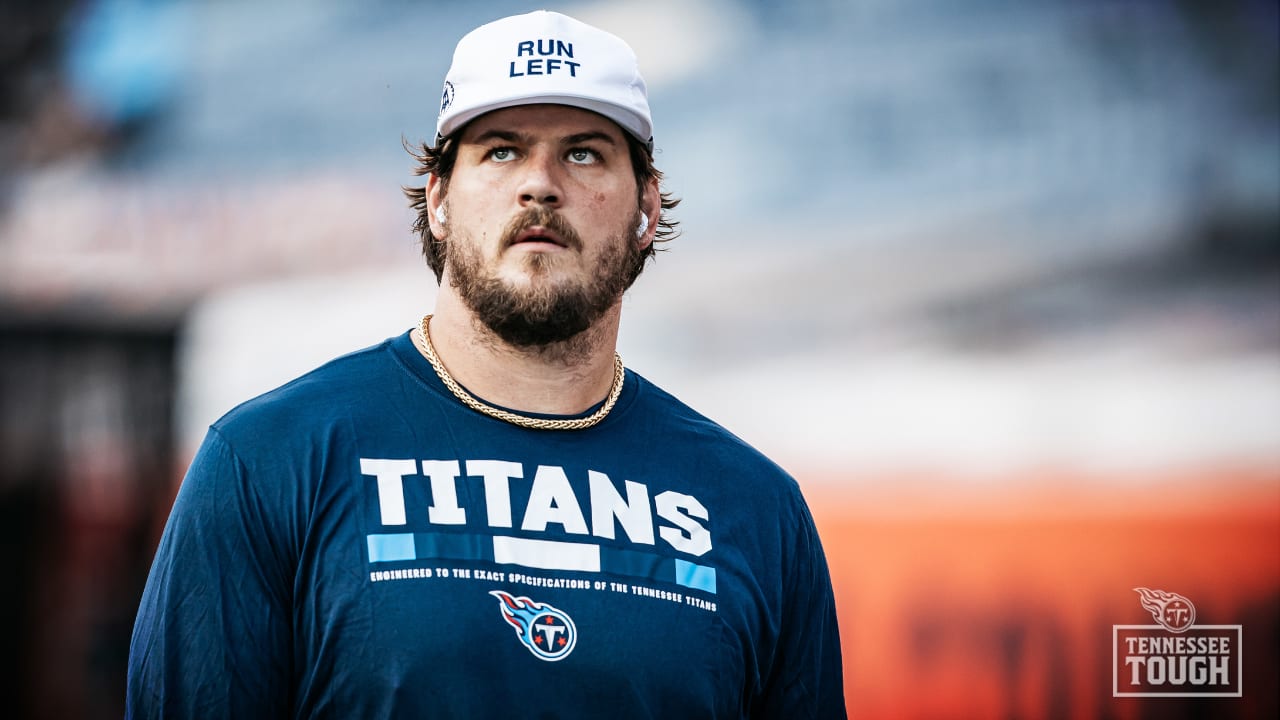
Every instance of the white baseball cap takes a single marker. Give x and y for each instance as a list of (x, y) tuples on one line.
[(544, 57)]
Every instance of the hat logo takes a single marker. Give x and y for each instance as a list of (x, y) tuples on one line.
[(446, 98), (534, 57)]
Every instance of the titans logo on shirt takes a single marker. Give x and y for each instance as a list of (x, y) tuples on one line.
[(548, 632)]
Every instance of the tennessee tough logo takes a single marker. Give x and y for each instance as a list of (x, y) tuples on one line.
[(548, 632), (1171, 610)]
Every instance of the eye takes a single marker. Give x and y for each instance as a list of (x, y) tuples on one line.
[(502, 154), (583, 156)]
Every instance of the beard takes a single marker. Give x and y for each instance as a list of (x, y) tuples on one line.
[(544, 312)]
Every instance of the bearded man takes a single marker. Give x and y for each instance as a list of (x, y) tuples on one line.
[(489, 515)]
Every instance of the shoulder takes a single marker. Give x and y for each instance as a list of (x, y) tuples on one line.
[(672, 425), (313, 398)]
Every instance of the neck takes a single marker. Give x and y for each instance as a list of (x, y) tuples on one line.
[(563, 378)]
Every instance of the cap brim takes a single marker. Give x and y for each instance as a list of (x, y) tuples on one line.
[(632, 123)]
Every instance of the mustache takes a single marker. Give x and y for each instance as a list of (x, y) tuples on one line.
[(542, 216)]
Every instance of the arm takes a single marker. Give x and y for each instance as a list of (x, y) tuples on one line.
[(807, 680), (213, 635)]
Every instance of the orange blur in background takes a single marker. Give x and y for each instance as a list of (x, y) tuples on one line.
[(998, 600)]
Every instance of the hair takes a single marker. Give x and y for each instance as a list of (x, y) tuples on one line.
[(439, 161)]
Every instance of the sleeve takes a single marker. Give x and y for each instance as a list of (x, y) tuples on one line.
[(807, 681), (213, 633)]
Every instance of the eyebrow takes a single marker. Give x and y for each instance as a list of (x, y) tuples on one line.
[(515, 137), (591, 135), (503, 135)]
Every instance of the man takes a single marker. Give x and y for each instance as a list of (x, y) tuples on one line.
[(489, 516)]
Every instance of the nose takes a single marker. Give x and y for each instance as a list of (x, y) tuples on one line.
[(540, 182)]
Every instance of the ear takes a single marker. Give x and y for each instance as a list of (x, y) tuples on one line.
[(651, 206), (435, 201)]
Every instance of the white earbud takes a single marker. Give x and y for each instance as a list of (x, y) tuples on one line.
[(644, 225), (440, 216)]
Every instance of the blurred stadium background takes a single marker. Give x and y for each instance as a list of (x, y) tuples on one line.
[(998, 280)]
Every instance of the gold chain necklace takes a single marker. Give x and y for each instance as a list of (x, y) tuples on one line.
[(429, 352)]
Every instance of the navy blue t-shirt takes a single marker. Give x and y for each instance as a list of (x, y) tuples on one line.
[(359, 544)]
